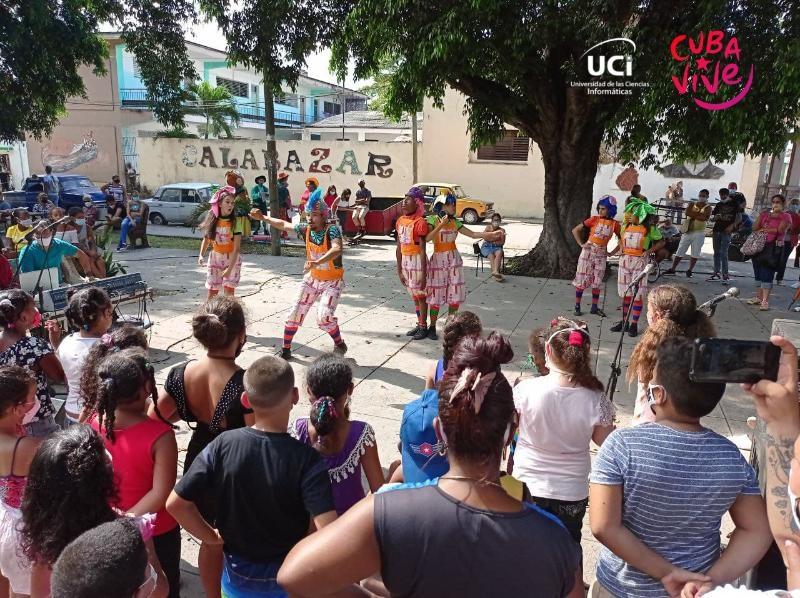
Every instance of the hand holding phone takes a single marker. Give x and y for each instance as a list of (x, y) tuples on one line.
[(728, 361)]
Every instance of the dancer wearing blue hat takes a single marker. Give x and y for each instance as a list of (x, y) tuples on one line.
[(592, 261)]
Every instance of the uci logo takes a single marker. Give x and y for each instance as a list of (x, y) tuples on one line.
[(616, 66)]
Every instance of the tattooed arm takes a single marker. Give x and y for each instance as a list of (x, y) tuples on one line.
[(777, 431)]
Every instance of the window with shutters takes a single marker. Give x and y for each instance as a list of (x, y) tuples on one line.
[(513, 147), (238, 89), (332, 108)]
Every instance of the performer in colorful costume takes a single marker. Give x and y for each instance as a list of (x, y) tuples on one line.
[(592, 261), (323, 280), (640, 237), (445, 276), (223, 234), (412, 261)]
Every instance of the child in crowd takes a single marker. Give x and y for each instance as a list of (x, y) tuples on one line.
[(412, 261), (671, 311), (90, 312), (125, 337), (143, 451), (17, 398), (18, 314), (659, 491), (560, 414), (347, 447), (223, 235), (640, 237), (445, 276), (461, 325), (592, 261), (272, 486), (15, 234), (70, 490), (494, 251), (109, 560)]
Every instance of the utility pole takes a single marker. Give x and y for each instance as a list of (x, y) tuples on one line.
[(272, 164)]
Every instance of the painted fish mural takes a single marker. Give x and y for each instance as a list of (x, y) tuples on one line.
[(81, 153)]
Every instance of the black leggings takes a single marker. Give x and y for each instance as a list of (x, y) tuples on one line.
[(168, 550), (569, 512)]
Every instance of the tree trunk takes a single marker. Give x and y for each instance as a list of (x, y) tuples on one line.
[(570, 166), (272, 165), (414, 158)]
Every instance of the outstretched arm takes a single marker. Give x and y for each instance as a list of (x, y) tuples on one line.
[(281, 225), (491, 236)]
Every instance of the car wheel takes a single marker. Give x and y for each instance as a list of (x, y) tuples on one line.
[(469, 216), (393, 232), (157, 219)]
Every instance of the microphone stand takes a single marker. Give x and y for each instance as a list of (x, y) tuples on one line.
[(616, 370)]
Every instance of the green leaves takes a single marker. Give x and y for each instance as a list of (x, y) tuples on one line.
[(216, 105)]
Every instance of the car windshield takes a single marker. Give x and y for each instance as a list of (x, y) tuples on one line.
[(458, 191), (81, 183)]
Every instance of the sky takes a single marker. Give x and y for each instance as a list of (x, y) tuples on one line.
[(317, 64)]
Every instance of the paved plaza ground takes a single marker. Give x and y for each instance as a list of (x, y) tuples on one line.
[(375, 313)]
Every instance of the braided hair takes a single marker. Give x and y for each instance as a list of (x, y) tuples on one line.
[(328, 378), (121, 377), (86, 306), (463, 324)]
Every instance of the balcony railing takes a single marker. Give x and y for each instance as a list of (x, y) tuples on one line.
[(136, 99)]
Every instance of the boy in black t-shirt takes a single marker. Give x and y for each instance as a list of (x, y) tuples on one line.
[(267, 484)]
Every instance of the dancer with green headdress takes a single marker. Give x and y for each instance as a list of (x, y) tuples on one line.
[(640, 238)]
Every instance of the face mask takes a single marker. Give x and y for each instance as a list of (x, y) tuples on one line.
[(651, 399), (80, 221), (45, 241), (88, 204), (37, 319), (26, 223), (31, 413)]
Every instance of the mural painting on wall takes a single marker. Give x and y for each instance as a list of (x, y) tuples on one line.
[(80, 153), (703, 169), (207, 157), (627, 178)]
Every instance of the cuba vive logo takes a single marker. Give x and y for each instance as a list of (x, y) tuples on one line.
[(712, 69), (616, 65)]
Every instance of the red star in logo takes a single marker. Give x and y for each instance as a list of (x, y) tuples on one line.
[(426, 449), (702, 64)]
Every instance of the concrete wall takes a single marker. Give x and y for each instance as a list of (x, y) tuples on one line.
[(385, 166)]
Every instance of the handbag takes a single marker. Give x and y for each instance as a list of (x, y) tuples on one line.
[(770, 256), (755, 243)]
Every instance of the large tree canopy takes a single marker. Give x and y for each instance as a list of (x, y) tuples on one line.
[(515, 61)]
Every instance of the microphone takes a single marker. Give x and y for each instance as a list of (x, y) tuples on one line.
[(36, 227), (642, 275), (57, 222), (713, 302)]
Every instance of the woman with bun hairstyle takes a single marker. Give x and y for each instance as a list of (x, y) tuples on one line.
[(671, 311), (442, 537), (206, 394), (70, 490), (461, 325), (90, 312), (143, 451), (560, 414), (347, 447), (18, 314)]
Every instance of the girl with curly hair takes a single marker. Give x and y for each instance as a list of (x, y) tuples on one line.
[(17, 397), (347, 446), (70, 490), (671, 311), (560, 414), (143, 451), (90, 312)]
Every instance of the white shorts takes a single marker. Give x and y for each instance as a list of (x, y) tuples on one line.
[(694, 240)]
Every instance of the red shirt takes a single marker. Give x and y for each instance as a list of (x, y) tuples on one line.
[(5, 273), (329, 199), (132, 459)]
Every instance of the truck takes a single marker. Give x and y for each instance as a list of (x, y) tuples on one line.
[(72, 189)]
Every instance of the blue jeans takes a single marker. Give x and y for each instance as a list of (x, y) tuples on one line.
[(722, 242), (245, 579), (126, 225), (42, 427), (787, 251)]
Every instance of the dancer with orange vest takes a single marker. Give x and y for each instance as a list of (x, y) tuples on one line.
[(323, 280), (412, 263)]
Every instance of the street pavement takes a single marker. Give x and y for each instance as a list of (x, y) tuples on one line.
[(389, 368)]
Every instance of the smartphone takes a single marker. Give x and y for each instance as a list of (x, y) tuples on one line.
[(730, 361)]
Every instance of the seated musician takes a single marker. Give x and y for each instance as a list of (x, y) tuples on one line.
[(46, 252), (86, 242)]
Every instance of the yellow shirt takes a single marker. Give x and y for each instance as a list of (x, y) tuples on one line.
[(17, 236)]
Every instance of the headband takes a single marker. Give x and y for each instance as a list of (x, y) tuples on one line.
[(479, 386), (221, 192), (640, 209), (609, 202), (577, 335)]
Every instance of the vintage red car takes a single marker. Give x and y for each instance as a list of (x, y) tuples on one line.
[(381, 218)]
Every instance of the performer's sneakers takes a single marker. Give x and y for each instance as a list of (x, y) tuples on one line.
[(618, 327), (578, 311), (413, 331), (432, 333), (340, 349), (422, 332), (596, 311), (633, 330), (284, 353)]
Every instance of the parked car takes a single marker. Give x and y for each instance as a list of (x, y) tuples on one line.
[(381, 218), (469, 209), (175, 203), (72, 189)]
